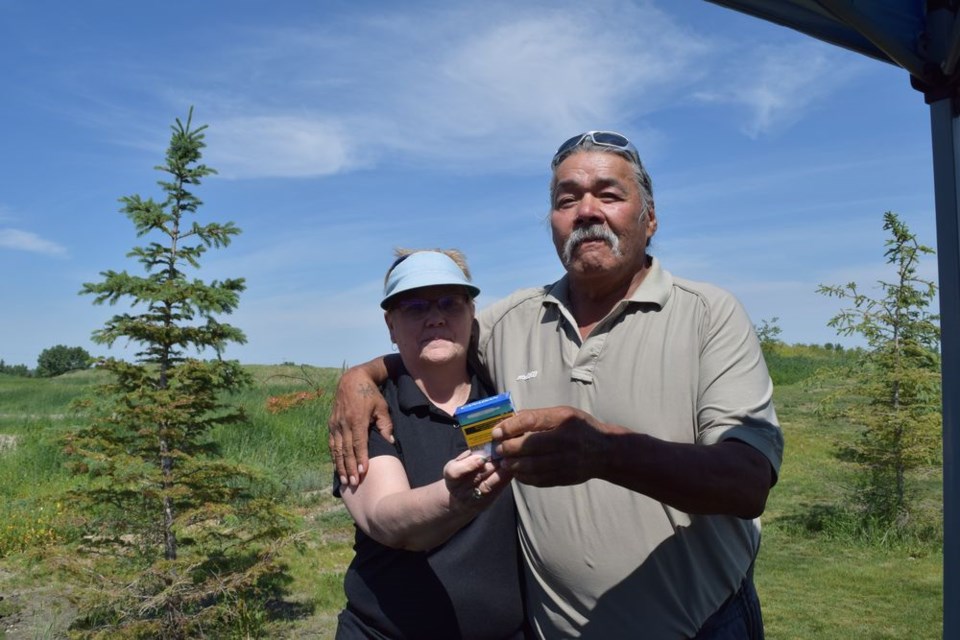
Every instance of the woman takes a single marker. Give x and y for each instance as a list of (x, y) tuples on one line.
[(436, 550)]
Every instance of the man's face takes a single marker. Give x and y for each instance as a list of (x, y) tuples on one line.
[(596, 216)]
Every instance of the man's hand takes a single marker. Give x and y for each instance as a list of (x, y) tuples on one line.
[(553, 446), (357, 404)]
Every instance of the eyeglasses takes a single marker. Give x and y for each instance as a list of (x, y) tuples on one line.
[(610, 139), (419, 308)]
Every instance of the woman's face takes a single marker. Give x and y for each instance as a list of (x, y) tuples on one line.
[(431, 325)]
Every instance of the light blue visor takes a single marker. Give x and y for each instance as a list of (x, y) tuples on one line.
[(425, 269)]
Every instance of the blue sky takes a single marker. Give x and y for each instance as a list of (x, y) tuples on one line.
[(344, 129)]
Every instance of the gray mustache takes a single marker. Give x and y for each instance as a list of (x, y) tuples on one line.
[(593, 232)]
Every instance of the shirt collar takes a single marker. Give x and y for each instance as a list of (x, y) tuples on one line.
[(654, 289), (410, 397)]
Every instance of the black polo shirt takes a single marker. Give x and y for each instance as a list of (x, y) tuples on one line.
[(469, 587)]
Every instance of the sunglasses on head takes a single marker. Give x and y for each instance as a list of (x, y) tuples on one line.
[(610, 139), (419, 308)]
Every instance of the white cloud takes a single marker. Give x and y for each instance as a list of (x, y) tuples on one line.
[(778, 85), (271, 146), (29, 241), (456, 82), (539, 76), (452, 85)]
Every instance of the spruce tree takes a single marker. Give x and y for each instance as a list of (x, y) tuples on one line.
[(181, 533), (893, 390)]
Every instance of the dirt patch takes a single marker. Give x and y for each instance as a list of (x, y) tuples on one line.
[(8, 442), (34, 613)]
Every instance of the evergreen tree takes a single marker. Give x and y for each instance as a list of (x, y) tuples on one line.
[(895, 383), (185, 533)]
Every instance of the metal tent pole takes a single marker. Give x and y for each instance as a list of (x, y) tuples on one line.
[(946, 162)]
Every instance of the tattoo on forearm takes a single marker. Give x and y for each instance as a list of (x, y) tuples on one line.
[(366, 390)]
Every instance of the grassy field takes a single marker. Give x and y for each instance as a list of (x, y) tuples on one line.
[(814, 582)]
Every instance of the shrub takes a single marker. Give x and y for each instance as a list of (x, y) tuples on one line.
[(62, 359)]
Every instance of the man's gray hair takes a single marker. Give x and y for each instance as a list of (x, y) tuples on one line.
[(644, 183)]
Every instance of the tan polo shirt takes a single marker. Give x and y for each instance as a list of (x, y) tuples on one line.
[(680, 361)]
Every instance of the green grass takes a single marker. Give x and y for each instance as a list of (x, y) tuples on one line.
[(815, 579), (790, 364), (291, 446), (811, 588), (823, 584), (25, 399)]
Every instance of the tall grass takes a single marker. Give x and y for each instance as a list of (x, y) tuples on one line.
[(34, 413), (32, 477), (290, 446), (790, 364), (24, 398)]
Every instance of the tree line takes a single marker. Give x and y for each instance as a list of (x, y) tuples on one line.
[(53, 361)]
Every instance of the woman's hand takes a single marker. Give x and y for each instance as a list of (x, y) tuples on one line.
[(473, 481)]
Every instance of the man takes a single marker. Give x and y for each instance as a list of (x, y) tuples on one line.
[(647, 441)]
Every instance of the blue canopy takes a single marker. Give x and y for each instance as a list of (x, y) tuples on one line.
[(922, 37)]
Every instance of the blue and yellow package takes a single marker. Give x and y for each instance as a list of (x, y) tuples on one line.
[(477, 420)]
